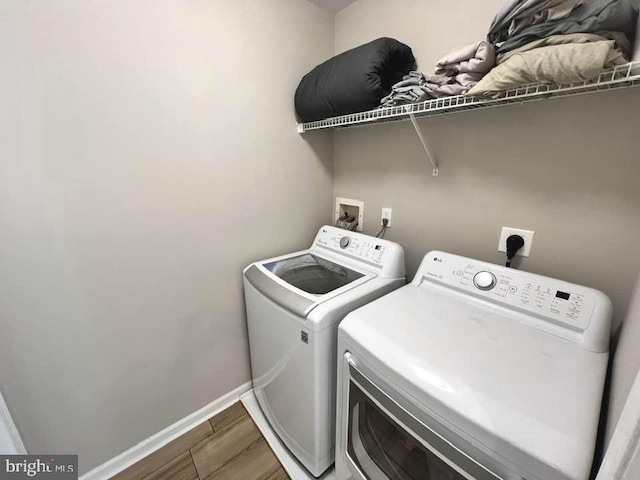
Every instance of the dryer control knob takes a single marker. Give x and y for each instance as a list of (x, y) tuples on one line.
[(484, 280), (344, 242)]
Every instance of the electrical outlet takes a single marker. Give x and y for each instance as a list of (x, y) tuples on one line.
[(525, 251), (386, 213)]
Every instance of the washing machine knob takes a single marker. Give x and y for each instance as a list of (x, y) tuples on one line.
[(484, 280), (344, 242)]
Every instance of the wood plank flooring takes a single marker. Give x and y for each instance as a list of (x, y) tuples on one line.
[(228, 446)]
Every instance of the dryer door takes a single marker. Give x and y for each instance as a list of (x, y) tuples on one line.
[(385, 442)]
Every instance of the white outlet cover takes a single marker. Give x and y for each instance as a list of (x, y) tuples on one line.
[(525, 251), (386, 213)]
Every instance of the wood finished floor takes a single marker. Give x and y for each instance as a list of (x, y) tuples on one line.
[(228, 446)]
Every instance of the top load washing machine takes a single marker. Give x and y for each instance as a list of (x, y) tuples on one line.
[(294, 304), (472, 372)]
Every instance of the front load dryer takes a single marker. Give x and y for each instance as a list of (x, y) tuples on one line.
[(294, 304), (472, 372)]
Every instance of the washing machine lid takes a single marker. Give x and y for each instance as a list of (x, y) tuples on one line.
[(312, 274), (523, 393), (337, 262), (301, 281)]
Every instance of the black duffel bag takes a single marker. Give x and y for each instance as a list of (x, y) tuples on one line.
[(354, 81)]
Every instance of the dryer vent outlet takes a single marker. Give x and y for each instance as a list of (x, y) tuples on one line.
[(349, 214)]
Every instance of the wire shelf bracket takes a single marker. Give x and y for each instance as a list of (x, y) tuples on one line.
[(619, 77), (434, 164)]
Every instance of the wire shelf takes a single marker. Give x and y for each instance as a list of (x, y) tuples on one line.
[(622, 76)]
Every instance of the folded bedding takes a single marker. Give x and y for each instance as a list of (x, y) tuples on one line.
[(524, 21), (455, 74), (418, 87), (411, 89), (353, 81), (559, 59), (622, 43), (477, 58), (516, 15)]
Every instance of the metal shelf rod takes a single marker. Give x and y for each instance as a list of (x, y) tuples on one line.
[(434, 164)]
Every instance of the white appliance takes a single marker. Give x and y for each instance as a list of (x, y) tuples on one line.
[(473, 371), (294, 304)]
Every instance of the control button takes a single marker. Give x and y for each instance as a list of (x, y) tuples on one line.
[(344, 242), (459, 273), (484, 280), (513, 289)]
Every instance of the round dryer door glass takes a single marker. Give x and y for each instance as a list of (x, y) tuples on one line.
[(313, 274)]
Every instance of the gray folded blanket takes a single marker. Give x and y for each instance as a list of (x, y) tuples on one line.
[(524, 21), (516, 15), (455, 74)]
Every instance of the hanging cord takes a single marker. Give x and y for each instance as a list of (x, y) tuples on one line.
[(383, 230), (514, 243)]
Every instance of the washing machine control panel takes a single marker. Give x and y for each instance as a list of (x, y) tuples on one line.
[(367, 254), (367, 248), (361, 247), (557, 301)]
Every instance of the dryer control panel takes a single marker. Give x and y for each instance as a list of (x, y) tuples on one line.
[(558, 302), (384, 254)]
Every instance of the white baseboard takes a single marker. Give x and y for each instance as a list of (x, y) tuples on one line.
[(160, 439), (10, 440)]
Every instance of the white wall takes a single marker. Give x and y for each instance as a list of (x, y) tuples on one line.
[(148, 153), (566, 168), (429, 27)]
